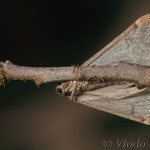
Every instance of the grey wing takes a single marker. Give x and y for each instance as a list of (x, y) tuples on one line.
[(122, 100), (133, 46)]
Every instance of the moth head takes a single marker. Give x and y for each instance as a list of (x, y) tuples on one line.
[(66, 88)]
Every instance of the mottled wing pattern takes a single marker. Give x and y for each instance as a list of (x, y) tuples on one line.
[(133, 46)]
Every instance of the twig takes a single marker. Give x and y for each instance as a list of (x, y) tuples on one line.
[(39, 75), (120, 71)]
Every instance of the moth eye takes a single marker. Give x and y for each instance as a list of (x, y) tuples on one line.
[(59, 91)]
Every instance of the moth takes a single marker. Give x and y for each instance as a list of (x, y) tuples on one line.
[(121, 98), (115, 80)]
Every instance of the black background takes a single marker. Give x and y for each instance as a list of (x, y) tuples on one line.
[(60, 33)]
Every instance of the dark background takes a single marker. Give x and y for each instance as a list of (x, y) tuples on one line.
[(60, 33)]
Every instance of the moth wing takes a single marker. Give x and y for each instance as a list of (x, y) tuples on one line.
[(122, 100), (133, 46)]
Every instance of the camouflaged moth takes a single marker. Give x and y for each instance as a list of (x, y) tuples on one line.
[(124, 99)]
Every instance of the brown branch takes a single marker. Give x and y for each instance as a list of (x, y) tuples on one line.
[(39, 75), (120, 71)]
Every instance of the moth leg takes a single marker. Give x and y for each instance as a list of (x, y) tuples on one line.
[(72, 97)]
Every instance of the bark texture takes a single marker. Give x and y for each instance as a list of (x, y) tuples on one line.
[(119, 71)]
